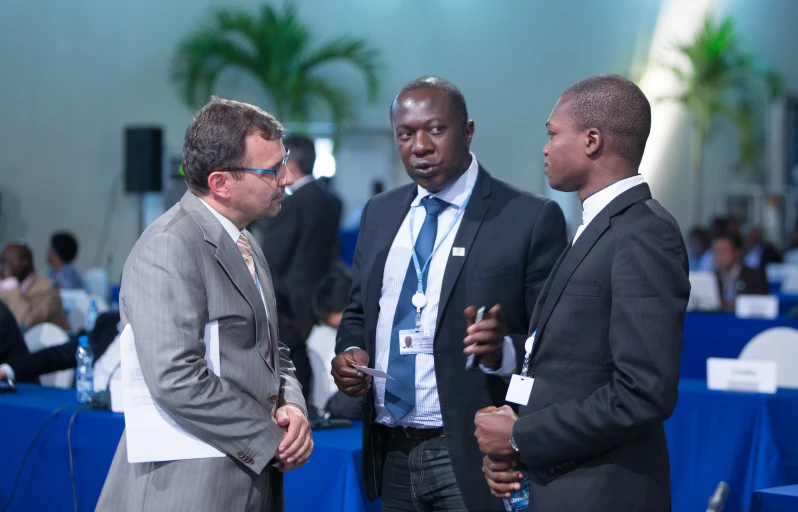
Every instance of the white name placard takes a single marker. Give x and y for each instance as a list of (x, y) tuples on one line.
[(756, 306), (741, 375)]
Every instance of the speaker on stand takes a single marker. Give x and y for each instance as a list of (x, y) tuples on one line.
[(144, 169)]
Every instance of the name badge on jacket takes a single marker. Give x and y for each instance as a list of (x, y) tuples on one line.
[(416, 341)]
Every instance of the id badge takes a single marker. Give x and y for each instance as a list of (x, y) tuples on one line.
[(520, 389), (416, 341)]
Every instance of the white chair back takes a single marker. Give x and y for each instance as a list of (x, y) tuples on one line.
[(44, 336), (321, 350), (780, 345), (76, 304), (96, 282)]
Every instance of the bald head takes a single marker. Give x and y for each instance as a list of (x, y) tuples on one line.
[(16, 261), (617, 108)]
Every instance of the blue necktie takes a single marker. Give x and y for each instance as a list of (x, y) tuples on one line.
[(400, 394)]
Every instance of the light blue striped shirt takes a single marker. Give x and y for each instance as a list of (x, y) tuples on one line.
[(427, 413)]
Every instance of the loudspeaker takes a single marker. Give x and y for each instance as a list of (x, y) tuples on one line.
[(143, 159)]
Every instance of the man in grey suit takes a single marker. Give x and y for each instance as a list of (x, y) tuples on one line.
[(197, 264)]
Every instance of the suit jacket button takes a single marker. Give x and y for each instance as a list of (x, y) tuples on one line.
[(551, 471), (242, 456), (273, 399)]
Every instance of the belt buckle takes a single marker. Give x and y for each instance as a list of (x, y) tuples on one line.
[(409, 434)]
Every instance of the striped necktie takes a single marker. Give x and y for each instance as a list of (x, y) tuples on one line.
[(246, 252)]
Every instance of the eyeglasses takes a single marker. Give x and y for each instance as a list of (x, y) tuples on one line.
[(274, 172)]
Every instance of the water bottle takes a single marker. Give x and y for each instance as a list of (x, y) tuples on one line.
[(84, 375), (519, 500), (91, 315)]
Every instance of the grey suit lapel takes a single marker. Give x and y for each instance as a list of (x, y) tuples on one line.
[(230, 259), (267, 286)]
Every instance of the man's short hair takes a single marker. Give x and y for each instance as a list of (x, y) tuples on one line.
[(617, 107), (434, 82), (216, 139), (303, 152), (332, 294), (65, 246), (733, 238)]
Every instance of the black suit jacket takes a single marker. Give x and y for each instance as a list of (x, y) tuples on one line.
[(299, 243), (12, 343), (512, 240), (29, 368), (753, 281), (606, 364)]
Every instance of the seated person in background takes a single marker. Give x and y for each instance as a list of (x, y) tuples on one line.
[(30, 296), (329, 301), (734, 277), (28, 368), (12, 344), (697, 247), (758, 253), (63, 249)]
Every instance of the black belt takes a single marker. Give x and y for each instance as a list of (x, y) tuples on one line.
[(417, 434)]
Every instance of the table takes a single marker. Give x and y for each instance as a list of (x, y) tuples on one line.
[(719, 335), (745, 439), (777, 499), (330, 481)]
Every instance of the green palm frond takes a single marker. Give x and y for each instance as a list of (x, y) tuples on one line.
[(718, 83), (277, 49)]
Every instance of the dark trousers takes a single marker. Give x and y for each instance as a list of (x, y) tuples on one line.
[(418, 477)]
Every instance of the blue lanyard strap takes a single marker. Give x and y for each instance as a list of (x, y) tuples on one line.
[(419, 270)]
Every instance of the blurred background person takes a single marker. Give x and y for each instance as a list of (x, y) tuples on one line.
[(62, 252), (31, 297), (299, 243), (734, 276)]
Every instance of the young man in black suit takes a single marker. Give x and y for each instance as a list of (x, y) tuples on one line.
[(478, 242), (607, 327)]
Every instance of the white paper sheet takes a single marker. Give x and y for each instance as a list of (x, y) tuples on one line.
[(152, 435), (374, 373)]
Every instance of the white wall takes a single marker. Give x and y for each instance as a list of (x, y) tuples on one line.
[(75, 73)]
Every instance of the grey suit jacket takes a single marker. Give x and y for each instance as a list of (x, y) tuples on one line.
[(184, 272)]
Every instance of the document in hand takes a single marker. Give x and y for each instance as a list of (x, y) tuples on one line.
[(152, 435)]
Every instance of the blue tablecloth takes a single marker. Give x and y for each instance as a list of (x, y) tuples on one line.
[(719, 335), (778, 499), (745, 439), (330, 481)]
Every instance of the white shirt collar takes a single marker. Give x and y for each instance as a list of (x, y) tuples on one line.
[(304, 180), (456, 193), (598, 201), (227, 224)]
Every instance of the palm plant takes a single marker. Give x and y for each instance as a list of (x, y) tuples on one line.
[(720, 82), (275, 47)]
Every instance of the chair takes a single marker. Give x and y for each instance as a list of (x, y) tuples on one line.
[(76, 304), (96, 282), (779, 344), (44, 336)]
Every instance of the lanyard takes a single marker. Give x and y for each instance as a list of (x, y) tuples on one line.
[(419, 300), (528, 347)]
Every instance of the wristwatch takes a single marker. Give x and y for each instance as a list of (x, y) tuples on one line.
[(512, 443)]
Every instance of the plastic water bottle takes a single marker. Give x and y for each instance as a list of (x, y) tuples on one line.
[(91, 315), (84, 375), (519, 500)]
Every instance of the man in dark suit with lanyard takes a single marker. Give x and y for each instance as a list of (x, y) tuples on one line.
[(455, 240), (606, 333)]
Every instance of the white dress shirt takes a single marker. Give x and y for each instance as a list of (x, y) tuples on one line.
[(598, 201), (427, 412), (301, 182)]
